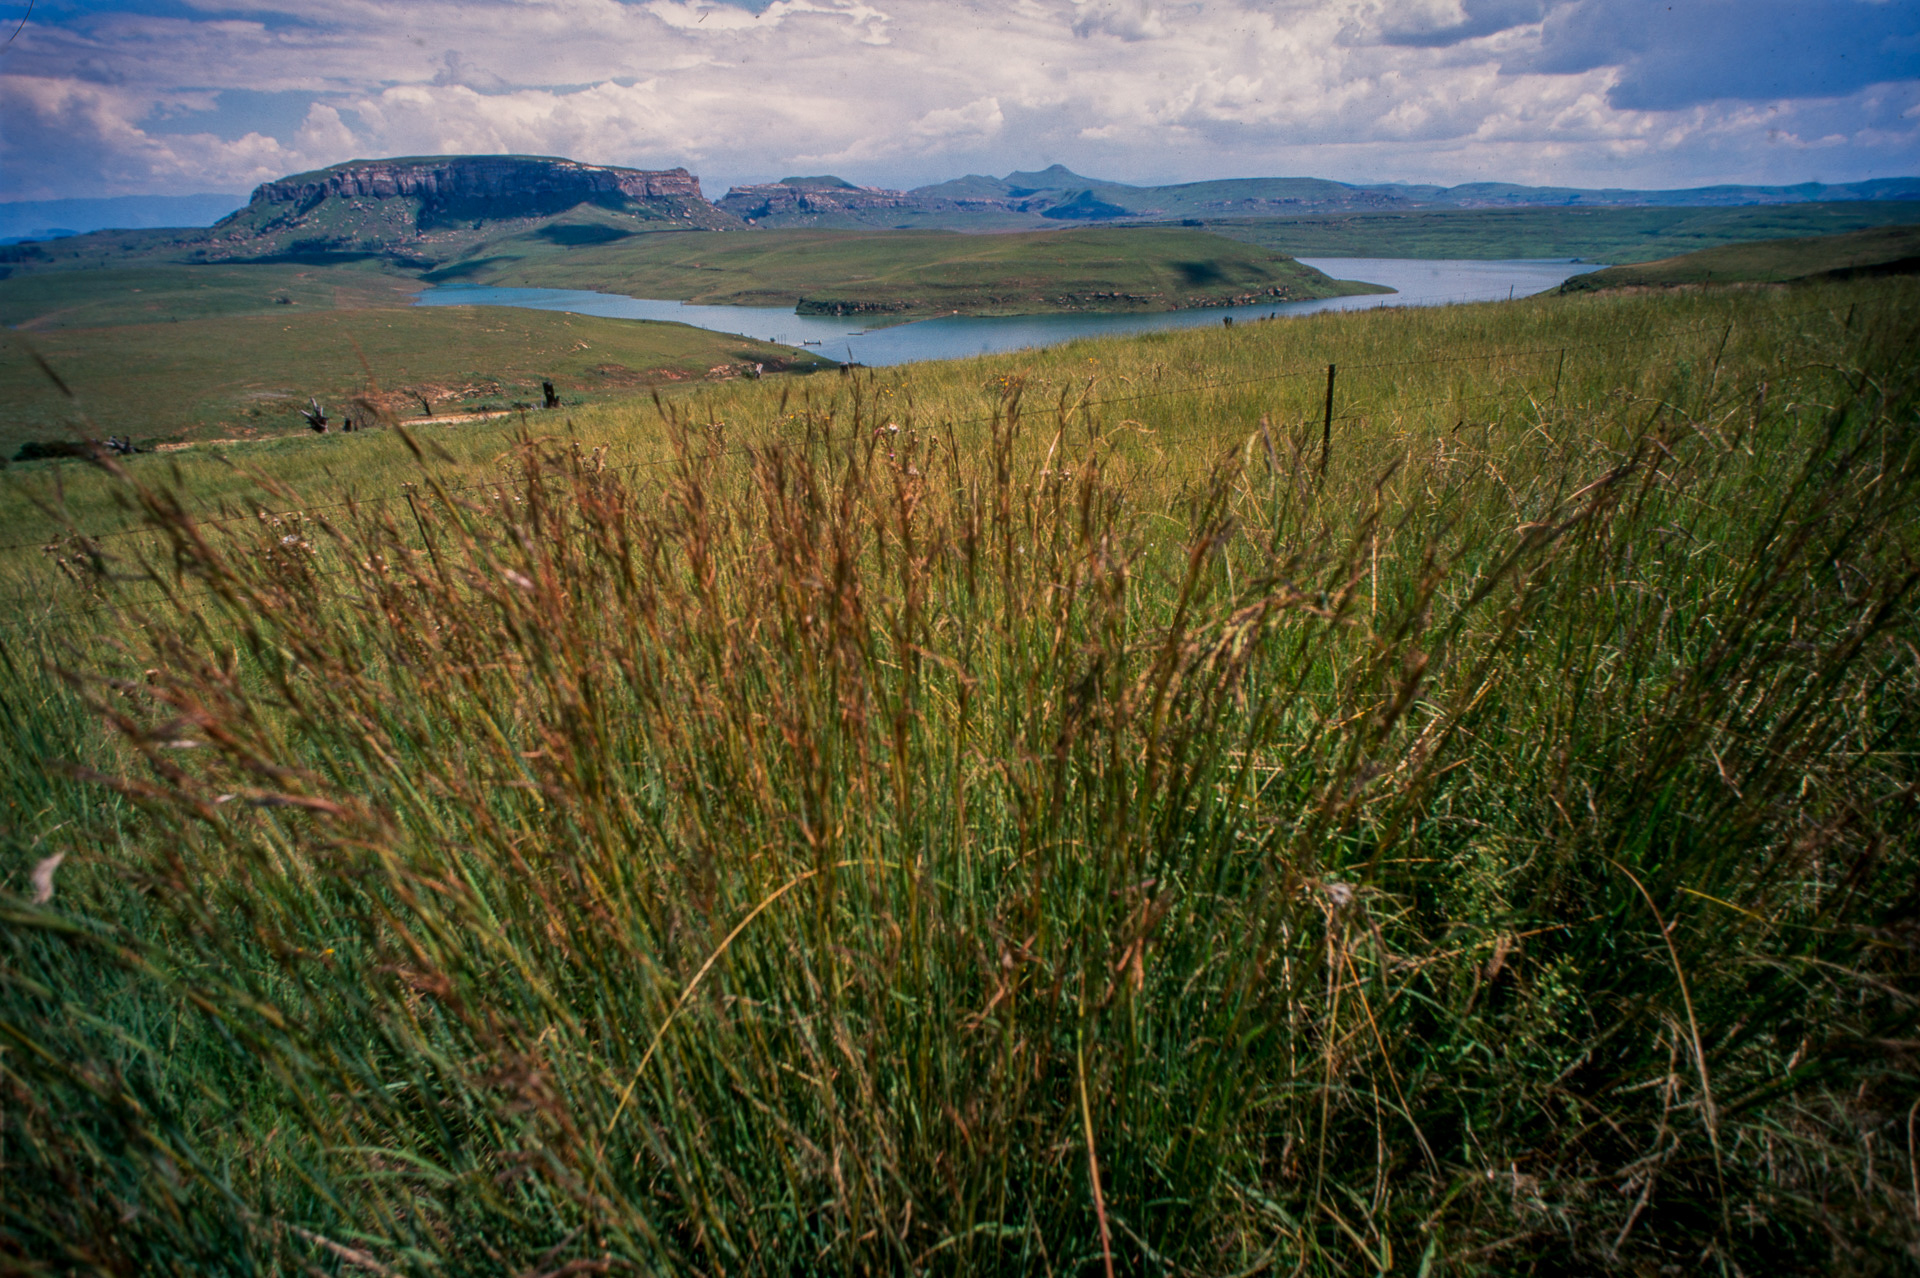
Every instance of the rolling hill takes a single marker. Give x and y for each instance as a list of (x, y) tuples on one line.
[(1057, 194), (909, 274), (1891, 250)]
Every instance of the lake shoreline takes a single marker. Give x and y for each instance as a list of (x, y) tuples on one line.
[(882, 340)]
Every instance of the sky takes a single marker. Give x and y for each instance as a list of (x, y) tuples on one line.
[(121, 97)]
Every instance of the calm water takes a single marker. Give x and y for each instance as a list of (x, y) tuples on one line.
[(1416, 282)]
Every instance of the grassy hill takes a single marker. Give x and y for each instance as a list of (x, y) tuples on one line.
[(907, 274), (1617, 235), (171, 353), (885, 273), (160, 345), (1888, 250), (161, 292)]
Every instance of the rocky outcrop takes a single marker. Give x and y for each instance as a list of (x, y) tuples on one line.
[(502, 180), (839, 306), (799, 196), (423, 211)]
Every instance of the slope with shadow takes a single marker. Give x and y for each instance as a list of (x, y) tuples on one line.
[(1888, 250)]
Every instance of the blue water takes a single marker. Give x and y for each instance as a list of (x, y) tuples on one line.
[(1417, 282)]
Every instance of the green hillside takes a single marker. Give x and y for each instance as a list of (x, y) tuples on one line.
[(1890, 250), (217, 357), (159, 292), (907, 274), (1616, 235)]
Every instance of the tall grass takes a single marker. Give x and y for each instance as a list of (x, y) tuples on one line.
[(884, 841)]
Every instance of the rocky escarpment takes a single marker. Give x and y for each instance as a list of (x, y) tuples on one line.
[(421, 212), (507, 185), (792, 197)]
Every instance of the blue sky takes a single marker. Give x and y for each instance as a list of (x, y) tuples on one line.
[(110, 97)]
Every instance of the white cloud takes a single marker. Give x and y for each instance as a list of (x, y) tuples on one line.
[(905, 91), (979, 119), (703, 16), (1127, 19), (324, 132)]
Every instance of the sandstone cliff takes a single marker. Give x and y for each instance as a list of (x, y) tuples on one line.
[(419, 212), (802, 196), (510, 182)]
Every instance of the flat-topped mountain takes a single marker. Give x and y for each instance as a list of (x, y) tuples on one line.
[(800, 198), (493, 186), (465, 217), (422, 209)]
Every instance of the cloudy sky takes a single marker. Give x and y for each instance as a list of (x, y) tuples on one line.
[(112, 97)]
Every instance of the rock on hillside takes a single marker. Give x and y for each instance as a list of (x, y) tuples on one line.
[(505, 185), (420, 210), (798, 197)]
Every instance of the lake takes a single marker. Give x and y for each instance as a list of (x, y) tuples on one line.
[(1417, 282)]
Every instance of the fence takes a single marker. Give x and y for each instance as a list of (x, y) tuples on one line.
[(1326, 419)]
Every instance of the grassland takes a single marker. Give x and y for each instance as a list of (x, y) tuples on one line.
[(164, 353), (906, 274), (167, 293), (161, 348), (1890, 250), (1009, 816), (1618, 235), (896, 274)]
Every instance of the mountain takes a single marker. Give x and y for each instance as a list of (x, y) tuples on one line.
[(448, 217), (796, 198), (1057, 194), (419, 210), (416, 213), (48, 219)]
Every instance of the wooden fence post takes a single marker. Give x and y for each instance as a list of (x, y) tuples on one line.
[(1326, 424)]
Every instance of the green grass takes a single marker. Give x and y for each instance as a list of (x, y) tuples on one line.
[(888, 274), (1884, 250), (245, 377), (1616, 235), (828, 827), (403, 231), (160, 292), (906, 274)]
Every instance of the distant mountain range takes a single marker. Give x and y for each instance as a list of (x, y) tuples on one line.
[(50, 219), (1057, 194), (415, 212), (442, 191)]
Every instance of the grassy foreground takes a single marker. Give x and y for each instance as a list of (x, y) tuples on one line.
[(1018, 815)]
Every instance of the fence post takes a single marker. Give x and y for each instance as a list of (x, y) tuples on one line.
[(1326, 424)]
